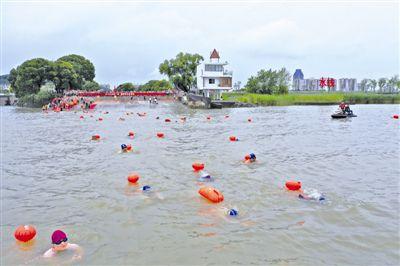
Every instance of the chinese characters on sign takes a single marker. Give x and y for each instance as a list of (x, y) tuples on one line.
[(327, 82)]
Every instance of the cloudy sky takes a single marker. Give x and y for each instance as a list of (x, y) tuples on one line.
[(127, 41)]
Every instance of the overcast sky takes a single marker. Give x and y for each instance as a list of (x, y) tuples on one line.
[(128, 41)]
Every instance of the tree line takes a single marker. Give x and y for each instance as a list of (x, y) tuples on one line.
[(383, 84), (68, 72)]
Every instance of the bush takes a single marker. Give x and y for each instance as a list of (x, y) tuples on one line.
[(91, 86), (36, 100)]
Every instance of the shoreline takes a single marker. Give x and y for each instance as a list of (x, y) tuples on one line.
[(311, 99)]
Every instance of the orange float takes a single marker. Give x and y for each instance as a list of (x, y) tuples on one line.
[(211, 194), (396, 116), (233, 138), (167, 120), (160, 134), (133, 178), (81, 117), (129, 147), (293, 185), (96, 137), (131, 134), (100, 119), (247, 157), (24, 233), (208, 117), (198, 166), (249, 119)]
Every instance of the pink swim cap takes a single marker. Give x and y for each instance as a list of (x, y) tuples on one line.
[(57, 236)]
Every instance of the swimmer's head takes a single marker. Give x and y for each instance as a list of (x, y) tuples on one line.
[(123, 146), (252, 156), (233, 212), (59, 240), (146, 188)]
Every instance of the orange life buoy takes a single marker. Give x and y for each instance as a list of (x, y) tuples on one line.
[(247, 157), (160, 134), (211, 194), (233, 138), (208, 117), (198, 166), (100, 119), (131, 134), (167, 120), (96, 137), (25, 233), (133, 178), (396, 116), (81, 117), (293, 185), (129, 147)]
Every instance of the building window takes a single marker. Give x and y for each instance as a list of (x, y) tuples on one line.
[(214, 68), (211, 81)]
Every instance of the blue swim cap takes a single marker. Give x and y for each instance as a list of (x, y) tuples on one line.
[(252, 156), (145, 188), (123, 146), (233, 212)]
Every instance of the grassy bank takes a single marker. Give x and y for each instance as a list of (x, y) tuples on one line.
[(312, 99)]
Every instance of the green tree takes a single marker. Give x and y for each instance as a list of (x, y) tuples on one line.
[(393, 83), (364, 85), (127, 86), (269, 82), (29, 76), (181, 70), (372, 83), (156, 85), (63, 76), (82, 66), (382, 84), (91, 86)]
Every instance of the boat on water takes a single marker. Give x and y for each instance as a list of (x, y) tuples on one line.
[(340, 114)]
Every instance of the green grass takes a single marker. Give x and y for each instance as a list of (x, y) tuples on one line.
[(312, 99)]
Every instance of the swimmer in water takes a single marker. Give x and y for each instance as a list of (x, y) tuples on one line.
[(205, 177), (311, 194), (60, 243), (250, 158)]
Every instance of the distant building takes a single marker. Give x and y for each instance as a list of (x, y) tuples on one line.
[(347, 84), (298, 74), (213, 78)]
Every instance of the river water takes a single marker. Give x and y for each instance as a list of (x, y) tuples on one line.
[(55, 177)]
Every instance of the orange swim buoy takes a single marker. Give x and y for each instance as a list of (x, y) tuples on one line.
[(131, 134), (233, 138), (247, 157), (211, 194), (293, 185), (198, 166), (133, 178), (129, 147), (160, 134), (100, 119), (24, 233), (208, 117), (167, 120), (81, 117), (249, 119), (396, 116), (96, 137)]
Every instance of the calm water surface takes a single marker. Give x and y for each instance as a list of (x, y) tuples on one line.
[(55, 177)]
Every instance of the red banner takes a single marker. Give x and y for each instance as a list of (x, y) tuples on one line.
[(122, 93)]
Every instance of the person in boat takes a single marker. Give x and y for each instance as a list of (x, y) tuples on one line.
[(342, 106), (60, 243), (347, 110)]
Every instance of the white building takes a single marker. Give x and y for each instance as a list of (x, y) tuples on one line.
[(213, 78), (346, 84)]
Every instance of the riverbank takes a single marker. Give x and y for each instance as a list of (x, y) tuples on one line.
[(312, 99)]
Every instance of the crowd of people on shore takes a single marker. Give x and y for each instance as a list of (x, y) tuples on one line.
[(67, 102)]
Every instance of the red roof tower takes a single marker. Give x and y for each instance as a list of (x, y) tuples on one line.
[(214, 54)]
